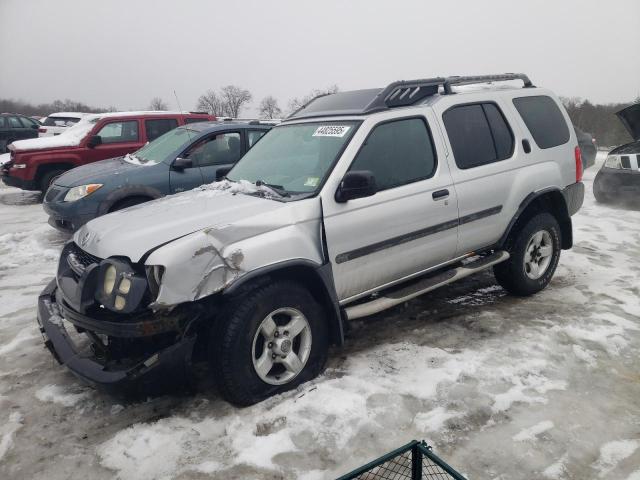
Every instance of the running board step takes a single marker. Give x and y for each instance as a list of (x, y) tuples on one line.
[(394, 297)]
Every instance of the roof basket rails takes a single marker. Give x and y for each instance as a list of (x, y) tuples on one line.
[(404, 93)]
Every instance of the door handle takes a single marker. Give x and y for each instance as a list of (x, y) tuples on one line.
[(526, 146), (440, 194)]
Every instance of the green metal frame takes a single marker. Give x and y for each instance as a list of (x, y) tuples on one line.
[(419, 450)]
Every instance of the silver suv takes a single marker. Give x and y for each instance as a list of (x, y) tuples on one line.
[(359, 201)]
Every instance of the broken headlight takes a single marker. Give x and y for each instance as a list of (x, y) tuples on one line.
[(120, 288)]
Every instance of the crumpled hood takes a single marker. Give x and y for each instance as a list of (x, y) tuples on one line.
[(136, 230), (630, 118), (95, 172)]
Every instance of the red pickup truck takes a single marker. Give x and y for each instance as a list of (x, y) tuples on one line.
[(35, 163)]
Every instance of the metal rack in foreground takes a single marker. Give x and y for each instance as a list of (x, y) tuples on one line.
[(414, 461)]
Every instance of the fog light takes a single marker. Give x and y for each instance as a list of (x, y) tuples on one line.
[(119, 303), (125, 286), (109, 279)]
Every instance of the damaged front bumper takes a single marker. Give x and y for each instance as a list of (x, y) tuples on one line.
[(166, 367)]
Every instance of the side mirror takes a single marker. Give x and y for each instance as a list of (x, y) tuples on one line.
[(181, 163), (222, 172), (94, 141), (356, 184)]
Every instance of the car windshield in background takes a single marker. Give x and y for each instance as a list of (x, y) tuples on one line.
[(294, 158), (162, 147)]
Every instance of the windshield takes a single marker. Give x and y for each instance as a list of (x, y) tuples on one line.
[(163, 147), (294, 159)]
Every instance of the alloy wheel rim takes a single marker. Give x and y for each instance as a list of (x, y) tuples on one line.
[(281, 346), (538, 254)]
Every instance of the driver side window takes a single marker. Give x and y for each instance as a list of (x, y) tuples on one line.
[(397, 153), (221, 149)]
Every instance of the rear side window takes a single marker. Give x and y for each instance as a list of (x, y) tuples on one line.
[(3, 123), (27, 122), (119, 132), (479, 134), (158, 127), (397, 153), (14, 122), (544, 120)]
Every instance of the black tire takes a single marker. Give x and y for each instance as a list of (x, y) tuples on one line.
[(511, 274), (231, 341), (598, 193), (48, 178), (128, 202)]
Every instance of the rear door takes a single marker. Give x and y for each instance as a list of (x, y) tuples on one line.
[(17, 129), (155, 127), (4, 134), (119, 137), (483, 161), (30, 127), (409, 225)]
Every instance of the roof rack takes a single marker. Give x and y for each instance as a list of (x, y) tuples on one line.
[(410, 92)]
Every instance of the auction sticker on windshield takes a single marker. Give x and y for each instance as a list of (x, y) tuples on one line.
[(331, 131)]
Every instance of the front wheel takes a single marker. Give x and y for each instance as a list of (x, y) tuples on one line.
[(267, 341), (535, 252)]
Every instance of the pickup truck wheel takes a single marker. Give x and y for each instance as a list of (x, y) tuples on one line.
[(268, 341), (48, 178), (535, 252)]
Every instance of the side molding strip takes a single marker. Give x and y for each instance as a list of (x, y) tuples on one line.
[(411, 236)]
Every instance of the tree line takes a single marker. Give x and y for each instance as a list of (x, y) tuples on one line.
[(599, 120), (229, 101)]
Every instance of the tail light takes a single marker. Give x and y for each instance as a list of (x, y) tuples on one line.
[(42, 130), (578, 155)]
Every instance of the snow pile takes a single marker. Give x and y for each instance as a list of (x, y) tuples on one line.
[(8, 430), (531, 433), (4, 158), (59, 395), (241, 186), (557, 470), (612, 453), (71, 137)]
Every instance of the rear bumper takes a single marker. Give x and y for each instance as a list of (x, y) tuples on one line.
[(163, 369), (617, 182), (574, 197)]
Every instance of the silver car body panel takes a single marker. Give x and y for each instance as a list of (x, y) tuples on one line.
[(207, 240)]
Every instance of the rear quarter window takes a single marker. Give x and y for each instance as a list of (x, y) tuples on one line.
[(544, 120)]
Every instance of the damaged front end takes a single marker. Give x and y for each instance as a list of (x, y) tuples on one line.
[(95, 320)]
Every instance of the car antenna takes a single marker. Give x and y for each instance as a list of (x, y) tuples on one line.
[(182, 112)]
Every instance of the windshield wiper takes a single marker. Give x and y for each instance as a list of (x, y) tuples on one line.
[(279, 189)]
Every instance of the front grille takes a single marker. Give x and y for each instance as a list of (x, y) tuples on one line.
[(83, 257), (52, 193)]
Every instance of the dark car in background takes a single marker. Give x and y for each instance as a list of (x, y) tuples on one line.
[(182, 159), (619, 177), (16, 127), (588, 148)]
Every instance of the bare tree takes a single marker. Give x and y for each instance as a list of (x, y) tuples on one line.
[(296, 103), (158, 104), (210, 102), (234, 98), (269, 108)]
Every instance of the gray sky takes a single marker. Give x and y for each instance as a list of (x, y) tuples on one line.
[(124, 52)]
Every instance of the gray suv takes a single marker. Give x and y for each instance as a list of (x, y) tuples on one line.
[(359, 201)]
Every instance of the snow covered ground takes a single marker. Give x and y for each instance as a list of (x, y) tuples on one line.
[(502, 387)]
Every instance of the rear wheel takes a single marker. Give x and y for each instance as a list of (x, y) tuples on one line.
[(535, 252), (598, 192), (268, 341)]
